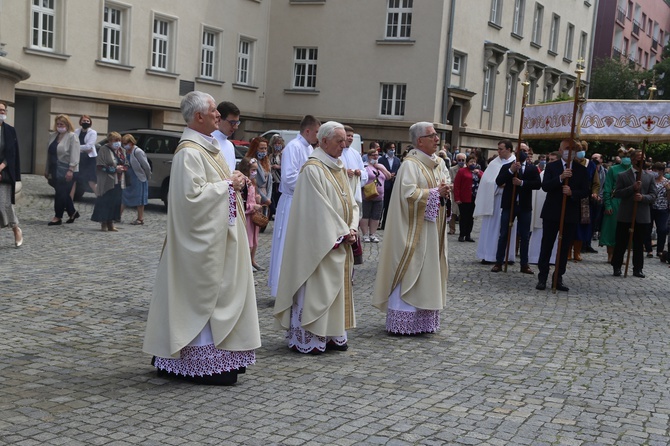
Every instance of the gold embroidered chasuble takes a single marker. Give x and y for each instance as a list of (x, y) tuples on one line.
[(323, 209), (204, 274), (414, 252)]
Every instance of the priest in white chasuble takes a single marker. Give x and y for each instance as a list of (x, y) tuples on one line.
[(411, 283), (203, 323), (314, 299)]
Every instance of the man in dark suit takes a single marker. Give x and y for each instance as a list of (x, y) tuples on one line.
[(392, 164), (526, 177), (632, 189), (555, 175)]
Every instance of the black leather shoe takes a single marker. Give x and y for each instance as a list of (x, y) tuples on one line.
[(486, 262), (461, 238), (589, 250), (617, 272), (541, 285), (639, 274), (338, 348), (468, 239), (496, 268), (55, 223), (561, 287), (73, 217)]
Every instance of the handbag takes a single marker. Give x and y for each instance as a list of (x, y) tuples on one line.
[(585, 211), (259, 219), (370, 189), (61, 170)]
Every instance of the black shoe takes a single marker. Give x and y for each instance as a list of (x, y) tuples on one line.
[(486, 262), (468, 239), (338, 348), (541, 285), (73, 217), (461, 238), (55, 223), (617, 272), (589, 250), (639, 274), (219, 379), (561, 287), (496, 268)]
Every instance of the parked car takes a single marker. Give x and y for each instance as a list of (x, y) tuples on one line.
[(288, 135), (159, 145)]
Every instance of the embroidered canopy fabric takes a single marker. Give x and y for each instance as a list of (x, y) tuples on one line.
[(600, 120)]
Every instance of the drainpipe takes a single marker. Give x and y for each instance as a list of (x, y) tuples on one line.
[(447, 71)]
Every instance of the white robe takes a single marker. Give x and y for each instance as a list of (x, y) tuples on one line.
[(352, 160), (204, 284), (536, 227), (487, 205), (294, 155), (227, 149)]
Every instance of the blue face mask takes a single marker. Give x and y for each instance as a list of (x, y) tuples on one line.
[(261, 155), (581, 154), (461, 163), (625, 161), (667, 175), (472, 166), (523, 156), (543, 163)]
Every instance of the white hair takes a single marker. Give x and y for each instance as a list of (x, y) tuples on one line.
[(327, 130), (417, 130), (194, 102)]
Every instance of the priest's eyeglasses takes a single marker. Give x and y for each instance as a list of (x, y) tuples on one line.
[(432, 135)]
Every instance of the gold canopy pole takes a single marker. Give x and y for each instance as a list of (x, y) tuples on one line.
[(557, 264), (524, 98)]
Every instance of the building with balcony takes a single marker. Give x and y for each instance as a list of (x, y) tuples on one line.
[(378, 65), (633, 31)]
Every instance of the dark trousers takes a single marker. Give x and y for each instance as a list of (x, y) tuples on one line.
[(466, 221), (387, 201), (659, 217), (549, 233), (621, 244), (63, 201), (275, 199), (523, 218)]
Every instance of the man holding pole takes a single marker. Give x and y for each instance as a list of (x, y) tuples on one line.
[(637, 191), (518, 180), (556, 217)]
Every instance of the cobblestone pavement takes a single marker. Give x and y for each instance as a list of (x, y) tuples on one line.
[(510, 365)]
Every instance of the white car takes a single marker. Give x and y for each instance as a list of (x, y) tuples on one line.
[(288, 135)]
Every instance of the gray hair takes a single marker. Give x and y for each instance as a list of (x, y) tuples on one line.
[(194, 102), (276, 137), (417, 130), (327, 130)]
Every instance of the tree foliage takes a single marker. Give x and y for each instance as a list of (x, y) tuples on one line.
[(614, 79)]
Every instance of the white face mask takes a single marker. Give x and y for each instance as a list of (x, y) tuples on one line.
[(3, 117), (116, 144), (373, 161), (252, 174), (60, 129)]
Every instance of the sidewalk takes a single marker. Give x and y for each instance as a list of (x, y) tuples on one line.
[(510, 365)]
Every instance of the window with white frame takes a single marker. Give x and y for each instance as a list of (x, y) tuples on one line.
[(569, 40), (393, 100), (209, 53), (496, 12), (399, 19), (304, 68), (488, 88), (517, 25), (537, 24), (113, 38), (43, 25), (162, 51), (244, 61), (582, 46), (457, 64), (510, 94), (553, 33)]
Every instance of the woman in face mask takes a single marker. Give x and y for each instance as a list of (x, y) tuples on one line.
[(87, 138), (136, 193), (659, 210), (258, 149), (110, 171), (62, 163), (10, 173)]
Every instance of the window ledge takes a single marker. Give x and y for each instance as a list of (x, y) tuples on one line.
[(565, 59), (535, 45), (204, 80), (162, 73), (587, 3), (301, 91), (494, 25), (307, 2), (552, 53), (516, 36), (118, 66), (396, 42), (36, 52), (245, 87)]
